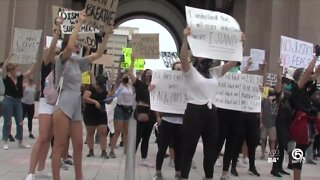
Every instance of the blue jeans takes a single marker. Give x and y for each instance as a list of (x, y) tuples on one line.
[(12, 107)]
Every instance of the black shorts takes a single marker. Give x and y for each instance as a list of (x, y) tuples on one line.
[(96, 119)]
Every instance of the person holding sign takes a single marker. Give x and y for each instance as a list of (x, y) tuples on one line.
[(67, 117), (145, 117), (170, 132), (11, 104), (41, 147), (303, 89), (200, 115)]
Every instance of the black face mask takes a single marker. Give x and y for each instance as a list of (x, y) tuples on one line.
[(125, 80), (204, 66)]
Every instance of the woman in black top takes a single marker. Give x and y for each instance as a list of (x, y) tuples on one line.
[(145, 117), (95, 115), (11, 104)]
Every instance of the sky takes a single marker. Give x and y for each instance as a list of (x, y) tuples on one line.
[(167, 42)]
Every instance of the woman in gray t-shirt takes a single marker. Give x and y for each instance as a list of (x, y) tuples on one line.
[(67, 117)]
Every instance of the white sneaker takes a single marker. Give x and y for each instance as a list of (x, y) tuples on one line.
[(218, 163), (44, 173), (63, 165), (171, 163), (240, 164), (146, 163), (5, 146), (24, 146), (245, 161), (30, 177)]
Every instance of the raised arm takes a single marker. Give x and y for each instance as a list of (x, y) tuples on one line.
[(279, 77), (52, 49), (246, 69), (131, 73), (28, 73), (73, 37), (307, 74), (184, 51), (5, 64)]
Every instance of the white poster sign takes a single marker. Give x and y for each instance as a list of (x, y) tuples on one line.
[(235, 92), (169, 58), (253, 67), (69, 21), (295, 53), (25, 45), (239, 92), (214, 35), (169, 95), (271, 79), (258, 55)]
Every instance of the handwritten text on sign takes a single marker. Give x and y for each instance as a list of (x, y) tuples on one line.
[(146, 46), (138, 63), (239, 92), (295, 53), (101, 13), (70, 20), (25, 45), (236, 92), (169, 95), (214, 35), (87, 39), (271, 79)]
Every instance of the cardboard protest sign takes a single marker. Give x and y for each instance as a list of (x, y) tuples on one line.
[(214, 35), (170, 94), (25, 45), (257, 55), (70, 20), (85, 78), (138, 63), (146, 46), (239, 92), (271, 79), (87, 39), (169, 58), (115, 45), (295, 53), (253, 67), (101, 13), (105, 60), (55, 13), (265, 92)]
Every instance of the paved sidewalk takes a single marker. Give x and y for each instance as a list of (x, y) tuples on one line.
[(14, 165)]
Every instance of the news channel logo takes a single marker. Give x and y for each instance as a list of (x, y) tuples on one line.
[(298, 156)]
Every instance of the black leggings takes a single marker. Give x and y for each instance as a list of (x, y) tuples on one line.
[(316, 144), (144, 130), (282, 139), (199, 121), (169, 132), (28, 111), (229, 130), (250, 132), (298, 164)]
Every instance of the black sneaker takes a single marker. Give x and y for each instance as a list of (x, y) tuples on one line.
[(68, 161), (275, 173), (234, 172), (11, 138), (254, 172), (90, 154), (284, 172), (31, 136), (104, 156)]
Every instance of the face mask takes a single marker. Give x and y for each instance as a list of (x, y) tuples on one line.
[(125, 80), (287, 87)]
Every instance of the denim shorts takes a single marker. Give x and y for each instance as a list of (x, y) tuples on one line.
[(119, 114)]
